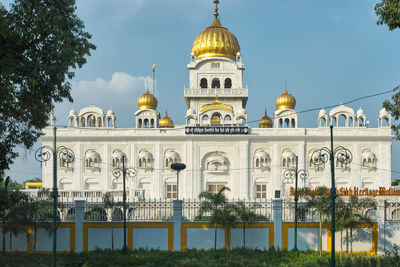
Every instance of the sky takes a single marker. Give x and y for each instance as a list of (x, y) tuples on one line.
[(329, 52)]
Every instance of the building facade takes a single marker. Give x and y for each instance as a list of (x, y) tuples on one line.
[(216, 143)]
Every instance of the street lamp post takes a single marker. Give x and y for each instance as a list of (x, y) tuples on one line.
[(130, 172), (320, 157), (290, 174), (43, 154), (178, 167)]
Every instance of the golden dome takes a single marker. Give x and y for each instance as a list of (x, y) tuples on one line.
[(166, 122), (265, 121), (147, 101), (285, 101), (216, 41), (215, 120)]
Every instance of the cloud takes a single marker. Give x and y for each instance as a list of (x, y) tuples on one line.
[(121, 83), (119, 93)]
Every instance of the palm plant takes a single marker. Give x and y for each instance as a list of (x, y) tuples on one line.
[(109, 203), (356, 214), (342, 214), (214, 204), (318, 201), (247, 215)]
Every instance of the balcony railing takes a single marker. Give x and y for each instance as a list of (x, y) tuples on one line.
[(223, 92)]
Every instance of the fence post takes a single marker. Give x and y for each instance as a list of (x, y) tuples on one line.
[(177, 206), (79, 218), (277, 206), (381, 219)]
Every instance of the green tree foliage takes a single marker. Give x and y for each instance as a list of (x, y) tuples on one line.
[(11, 213), (357, 214), (388, 12), (38, 213), (247, 215), (396, 182), (41, 43), (393, 107), (318, 201)]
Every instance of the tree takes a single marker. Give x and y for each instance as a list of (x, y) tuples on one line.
[(247, 215), (109, 203), (388, 12), (11, 214), (393, 107), (396, 182), (213, 204), (318, 201), (38, 211), (341, 214), (357, 214), (41, 43)]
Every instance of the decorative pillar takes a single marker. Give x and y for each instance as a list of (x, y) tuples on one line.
[(277, 216), (177, 207), (79, 219), (381, 219)]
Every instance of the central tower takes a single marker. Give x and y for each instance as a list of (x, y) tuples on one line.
[(215, 96)]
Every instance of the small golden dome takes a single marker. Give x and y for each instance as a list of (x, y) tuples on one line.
[(215, 120), (216, 41), (166, 122), (265, 121), (147, 101), (285, 101)]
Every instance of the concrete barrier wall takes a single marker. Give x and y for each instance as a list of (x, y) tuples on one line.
[(202, 236), (138, 235), (23, 241), (180, 235), (391, 236), (365, 237)]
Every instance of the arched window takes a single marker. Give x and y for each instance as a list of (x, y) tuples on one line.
[(293, 123), (243, 122), (91, 121), (152, 123), (396, 215), (146, 123), (140, 123), (205, 118), (287, 123), (350, 122), (342, 121), (83, 122), (228, 83), (227, 118), (280, 123), (190, 121), (99, 122), (203, 83), (215, 83)]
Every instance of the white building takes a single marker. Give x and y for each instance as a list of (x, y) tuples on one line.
[(215, 143)]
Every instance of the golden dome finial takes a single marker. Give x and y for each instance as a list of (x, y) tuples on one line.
[(216, 14), (285, 101), (265, 122)]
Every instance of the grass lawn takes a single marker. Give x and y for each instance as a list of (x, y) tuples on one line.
[(250, 258)]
